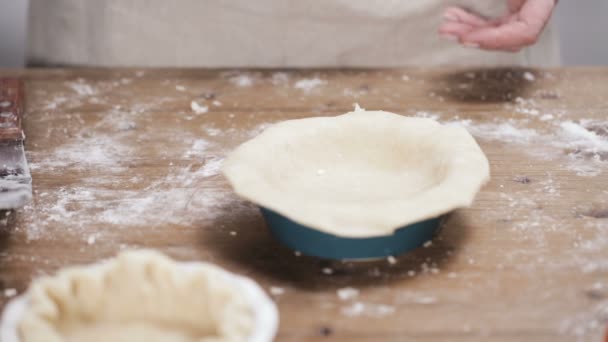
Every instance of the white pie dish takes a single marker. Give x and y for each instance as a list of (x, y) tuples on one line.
[(264, 312)]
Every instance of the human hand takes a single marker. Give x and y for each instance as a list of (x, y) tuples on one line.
[(519, 28)]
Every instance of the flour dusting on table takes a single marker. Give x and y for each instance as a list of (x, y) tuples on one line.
[(198, 108), (86, 152), (99, 151), (185, 191), (81, 88), (578, 144), (308, 84), (368, 310), (242, 80)]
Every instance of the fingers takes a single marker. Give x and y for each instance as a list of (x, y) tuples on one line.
[(459, 22), (503, 37), (509, 33), (454, 30)]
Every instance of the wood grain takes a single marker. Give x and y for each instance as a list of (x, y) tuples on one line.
[(529, 261), (11, 110)]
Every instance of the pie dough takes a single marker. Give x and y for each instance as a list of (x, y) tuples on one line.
[(361, 174), (145, 296)]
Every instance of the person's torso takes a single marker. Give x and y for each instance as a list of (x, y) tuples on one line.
[(265, 33)]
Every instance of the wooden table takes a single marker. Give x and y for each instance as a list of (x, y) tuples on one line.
[(120, 160)]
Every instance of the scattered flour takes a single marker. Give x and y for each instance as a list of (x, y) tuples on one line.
[(55, 102), (355, 93), (198, 108), (81, 88), (547, 117), (166, 199), (528, 111), (347, 293), (197, 149), (586, 322), (212, 167), (242, 80), (327, 271), (585, 150), (367, 309), (506, 132), (212, 132), (528, 76), (426, 300), (91, 239), (429, 115), (588, 152), (276, 291), (308, 84), (90, 150), (10, 292), (416, 297), (581, 147), (576, 135), (126, 125), (173, 197), (525, 106), (258, 129)]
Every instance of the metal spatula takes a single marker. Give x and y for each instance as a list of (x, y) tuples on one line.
[(15, 179)]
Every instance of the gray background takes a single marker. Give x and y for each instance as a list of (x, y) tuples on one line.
[(582, 25)]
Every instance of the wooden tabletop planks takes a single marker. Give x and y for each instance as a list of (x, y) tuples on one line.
[(120, 160)]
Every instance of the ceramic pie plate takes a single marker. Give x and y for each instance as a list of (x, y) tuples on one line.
[(264, 311)]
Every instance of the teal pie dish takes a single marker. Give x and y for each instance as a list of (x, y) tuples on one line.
[(313, 242), (359, 186)]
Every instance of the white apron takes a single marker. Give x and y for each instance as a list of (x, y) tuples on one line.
[(260, 33)]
